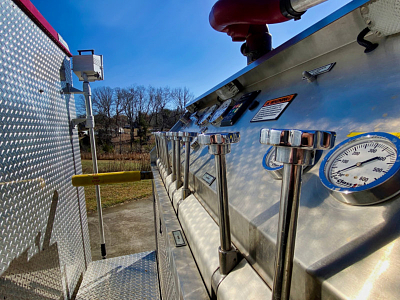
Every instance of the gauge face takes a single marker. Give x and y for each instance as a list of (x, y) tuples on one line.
[(204, 118), (362, 163), (220, 112)]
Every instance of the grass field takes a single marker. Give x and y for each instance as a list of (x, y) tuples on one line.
[(113, 194)]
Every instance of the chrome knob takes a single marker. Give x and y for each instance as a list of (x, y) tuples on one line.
[(187, 136), (219, 143), (297, 146)]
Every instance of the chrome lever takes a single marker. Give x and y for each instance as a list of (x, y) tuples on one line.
[(186, 137), (171, 136), (219, 144), (295, 149)]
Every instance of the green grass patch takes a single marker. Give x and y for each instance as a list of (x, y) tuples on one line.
[(113, 194)]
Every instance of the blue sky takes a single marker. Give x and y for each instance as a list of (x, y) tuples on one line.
[(159, 43)]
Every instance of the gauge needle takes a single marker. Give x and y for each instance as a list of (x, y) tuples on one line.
[(359, 164)]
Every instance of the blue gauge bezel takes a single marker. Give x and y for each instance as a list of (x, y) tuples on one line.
[(264, 163), (393, 170)]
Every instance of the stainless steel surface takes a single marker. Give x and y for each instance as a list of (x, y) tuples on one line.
[(125, 277), (202, 235), (243, 283), (303, 5), (357, 246), (44, 245), (178, 272), (342, 251), (380, 169)]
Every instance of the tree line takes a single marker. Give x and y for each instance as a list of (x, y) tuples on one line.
[(136, 107)]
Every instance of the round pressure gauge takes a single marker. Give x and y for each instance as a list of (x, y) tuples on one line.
[(207, 114), (220, 113), (364, 169)]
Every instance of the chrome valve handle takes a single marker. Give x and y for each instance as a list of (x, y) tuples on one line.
[(177, 142), (171, 137), (186, 137), (295, 149), (219, 144), (164, 151)]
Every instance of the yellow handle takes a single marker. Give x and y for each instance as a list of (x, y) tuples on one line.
[(109, 178)]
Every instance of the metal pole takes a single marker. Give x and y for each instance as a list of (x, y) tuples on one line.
[(288, 214), (168, 166), (185, 190), (90, 125), (173, 178), (295, 149), (178, 182), (156, 143), (222, 194), (219, 144)]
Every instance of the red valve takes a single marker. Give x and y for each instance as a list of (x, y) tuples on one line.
[(235, 16)]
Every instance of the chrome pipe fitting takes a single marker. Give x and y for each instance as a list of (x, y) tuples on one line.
[(219, 144), (295, 149)]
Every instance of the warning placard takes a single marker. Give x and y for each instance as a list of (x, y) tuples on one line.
[(272, 109)]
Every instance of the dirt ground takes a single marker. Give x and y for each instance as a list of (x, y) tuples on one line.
[(128, 228)]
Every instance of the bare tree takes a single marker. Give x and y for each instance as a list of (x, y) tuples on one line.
[(130, 110), (181, 97), (163, 98), (103, 104)]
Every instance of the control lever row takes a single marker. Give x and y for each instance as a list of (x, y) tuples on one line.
[(294, 148)]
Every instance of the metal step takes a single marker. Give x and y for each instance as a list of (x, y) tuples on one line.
[(125, 277)]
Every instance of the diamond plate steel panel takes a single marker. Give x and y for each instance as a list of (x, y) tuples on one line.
[(44, 236), (125, 277), (167, 282)]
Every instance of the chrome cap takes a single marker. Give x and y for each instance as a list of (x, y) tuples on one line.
[(223, 138), (188, 134), (304, 139)]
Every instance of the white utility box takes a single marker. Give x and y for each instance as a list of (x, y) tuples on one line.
[(90, 64)]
